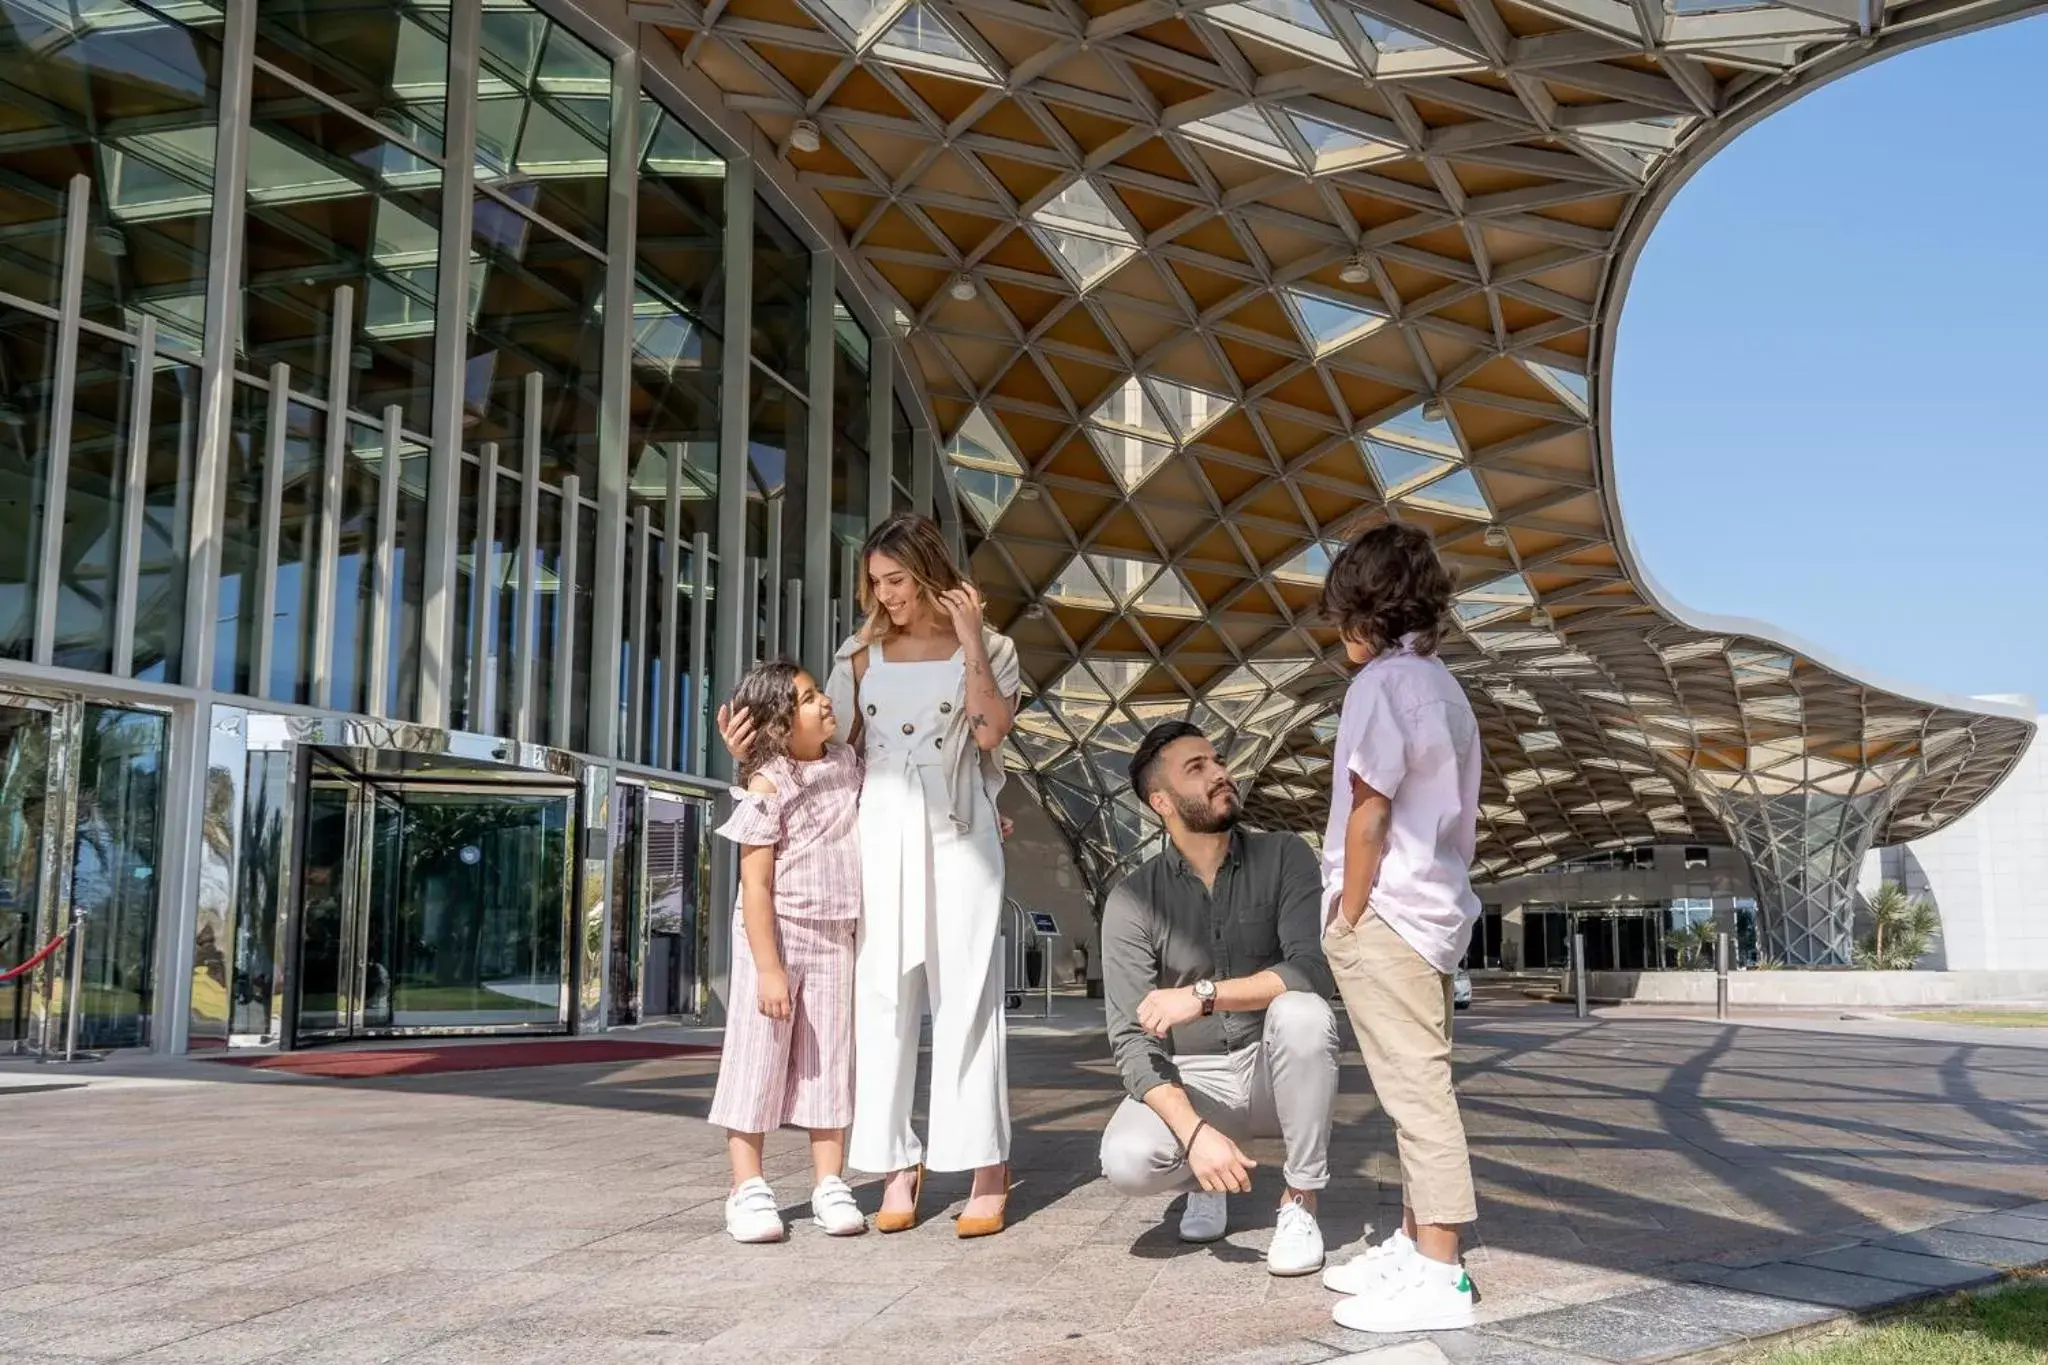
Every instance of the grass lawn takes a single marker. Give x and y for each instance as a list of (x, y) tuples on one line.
[(2003, 1328), (1986, 1018)]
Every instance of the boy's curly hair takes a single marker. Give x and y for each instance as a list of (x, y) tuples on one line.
[(1388, 584), (768, 691)]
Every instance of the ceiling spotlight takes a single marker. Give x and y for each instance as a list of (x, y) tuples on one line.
[(1356, 271), (962, 288), (110, 240), (361, 358), (1497, 537), (1029, 492), (804, 136), (1035, 610), (1434, 410), (1539, 618)]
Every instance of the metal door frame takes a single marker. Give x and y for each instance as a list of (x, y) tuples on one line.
[(359, 865), (652, 788), (65, 714)]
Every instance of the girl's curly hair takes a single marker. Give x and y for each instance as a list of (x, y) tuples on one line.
[(1388, 584), (768, 691)]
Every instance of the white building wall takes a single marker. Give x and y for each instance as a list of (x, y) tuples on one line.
[(1987, 874)]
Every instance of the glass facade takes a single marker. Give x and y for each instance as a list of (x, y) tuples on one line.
[(381, 372)]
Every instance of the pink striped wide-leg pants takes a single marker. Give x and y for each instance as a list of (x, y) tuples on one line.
[(797, 1070)]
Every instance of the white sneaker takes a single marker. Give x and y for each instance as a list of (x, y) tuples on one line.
[(1205, 1218), (1420, 1295), (1297, 1247), (833, 1209), (751, 1215), (1359, 1274)]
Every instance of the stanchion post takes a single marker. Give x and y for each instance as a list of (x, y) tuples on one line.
[(74, 984), (1579, 971), (1722, 945)]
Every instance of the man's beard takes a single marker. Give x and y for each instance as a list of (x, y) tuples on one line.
[(1201, 818)]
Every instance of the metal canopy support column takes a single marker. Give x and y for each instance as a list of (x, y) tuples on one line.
[(923, 473), (483, 618), (340, 346), (134, 492), (562, 658), (63, 400), (525, 643), (881, 425), (263, 620), (451, 354), (382, 590), (735, 388), (223, 335), (614, 415), (669, 754), (809, 630)]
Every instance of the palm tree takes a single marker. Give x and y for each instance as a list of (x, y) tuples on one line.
[(1902, 929)]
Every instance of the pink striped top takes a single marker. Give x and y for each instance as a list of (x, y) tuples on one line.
[(811, 821)]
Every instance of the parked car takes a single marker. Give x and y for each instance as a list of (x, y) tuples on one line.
[(1461, 990)]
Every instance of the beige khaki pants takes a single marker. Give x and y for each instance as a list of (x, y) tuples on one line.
[(1400, 1009)]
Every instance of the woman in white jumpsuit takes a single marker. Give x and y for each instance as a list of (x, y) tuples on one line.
[(933, 692)]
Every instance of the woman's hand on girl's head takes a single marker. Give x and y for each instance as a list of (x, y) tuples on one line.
[(736, 728), (963, 606)]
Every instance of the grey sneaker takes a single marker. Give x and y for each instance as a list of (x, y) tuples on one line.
[(1205, 1218)]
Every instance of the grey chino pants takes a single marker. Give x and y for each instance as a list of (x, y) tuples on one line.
[(1286, 1088)]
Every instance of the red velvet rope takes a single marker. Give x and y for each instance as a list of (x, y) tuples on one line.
[(35, 961)]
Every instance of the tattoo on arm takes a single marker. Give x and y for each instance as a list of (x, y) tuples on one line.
[(977, 721)]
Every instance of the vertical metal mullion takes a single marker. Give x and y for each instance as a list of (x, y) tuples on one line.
[(700, 640), (923, 466), (670, 755), (808, 638), (770, 592), (451, 352), (881, 426), (750, 585), (524, 645), (134, 493), (223, 336), (483, 621), (853, 574), (793, 619), (563, 656), (340, 345), (63, 400), (636, 699), (263, 620), (735, 385), (381, 595), (614, 414)]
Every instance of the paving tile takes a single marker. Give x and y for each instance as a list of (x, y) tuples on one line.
[(1933, 1272), (1969, 1246), (2012, 1227), (1806, 1283), (1605, 1334)]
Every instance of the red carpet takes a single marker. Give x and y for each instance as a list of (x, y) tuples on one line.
[(425, 1061)]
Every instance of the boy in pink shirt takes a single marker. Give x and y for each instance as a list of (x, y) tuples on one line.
[(1398, 911)]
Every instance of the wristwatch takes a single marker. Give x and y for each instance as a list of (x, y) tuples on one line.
[(1205, 991)]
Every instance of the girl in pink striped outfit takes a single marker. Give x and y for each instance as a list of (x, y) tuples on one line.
[(788, 1055)]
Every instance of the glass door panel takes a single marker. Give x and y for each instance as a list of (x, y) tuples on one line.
[(25, 734), (114, 878), (325, 940), (468, 910), (675, 879)]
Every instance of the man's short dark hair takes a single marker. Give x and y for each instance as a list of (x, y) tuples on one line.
[(1146, 759), (1386, 585)]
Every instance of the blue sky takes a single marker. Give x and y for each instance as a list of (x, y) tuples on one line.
[(1831, 379)]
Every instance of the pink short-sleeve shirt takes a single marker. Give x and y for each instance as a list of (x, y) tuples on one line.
[(1408, 732), (812, 822)]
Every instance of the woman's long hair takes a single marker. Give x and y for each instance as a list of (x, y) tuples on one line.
[(914, 542), (768, 691)]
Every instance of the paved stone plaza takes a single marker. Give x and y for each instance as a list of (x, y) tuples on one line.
[(183, 1211)]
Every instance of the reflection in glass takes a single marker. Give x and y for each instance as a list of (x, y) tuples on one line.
[(166, 521), (778, 461), (543, 117), (387, 61), (324, 871), (24, 787), (28, 366), (88, 560), (782, 299), (118, 93), (675, 861), (331, 203), (902, 457), (291, 622), (257, 961), (536, 310)]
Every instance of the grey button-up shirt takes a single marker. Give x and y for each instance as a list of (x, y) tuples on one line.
[(1162, 928)]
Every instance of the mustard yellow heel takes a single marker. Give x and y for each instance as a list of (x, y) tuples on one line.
[(890, 1220), (987, 1225)]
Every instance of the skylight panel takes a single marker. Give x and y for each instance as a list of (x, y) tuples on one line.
[(1327, 323), (1130, 459), (1332, 148), (857, 20), (1130, 408), (1082, 233), (1504, 596), (1311, 564), (985, 471), (1416, 427), (1243, 130), (1398, 468), (1457, 493), (920, 38), (1385, 37), (1077, 586), (1569, 387), (1189, 410), (1295, 25)]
